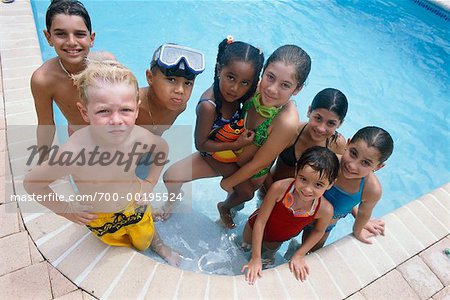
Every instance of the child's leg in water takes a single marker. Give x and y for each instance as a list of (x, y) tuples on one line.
[(242, 193), (172, 257), (188, 169)]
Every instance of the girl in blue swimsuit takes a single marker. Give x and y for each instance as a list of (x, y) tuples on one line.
[(357, 189), (235, 80)]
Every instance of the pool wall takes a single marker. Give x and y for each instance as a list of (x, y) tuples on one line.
[(415, 236)]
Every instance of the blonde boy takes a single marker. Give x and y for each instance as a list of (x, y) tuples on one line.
[(101, 159)]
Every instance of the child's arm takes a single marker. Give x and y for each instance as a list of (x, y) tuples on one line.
[(254, 266), (371, 196), (297, 265), (37, 183), (158, 160), (206, 114), (284, 128), (42, 94)]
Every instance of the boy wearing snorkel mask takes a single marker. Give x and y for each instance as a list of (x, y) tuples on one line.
[(171, 78)]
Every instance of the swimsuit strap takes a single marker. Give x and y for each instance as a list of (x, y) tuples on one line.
[(289, 202), (207, 100)]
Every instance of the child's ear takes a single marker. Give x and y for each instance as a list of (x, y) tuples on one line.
[(83, 112), (218, 68), (48, 37), (297, 89), (91, 44), (331, 184), (309, 112), (149, 75), (379, 167)]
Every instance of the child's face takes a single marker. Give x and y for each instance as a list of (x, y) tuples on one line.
[(70, 37), (235, 80), (278, 84), (359, 160), (113, 106), (173, 92), (322, 124), (309, 185)]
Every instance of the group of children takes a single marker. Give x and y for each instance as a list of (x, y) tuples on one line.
[(247, 131)]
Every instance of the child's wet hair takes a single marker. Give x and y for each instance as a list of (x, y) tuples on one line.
[(67, 7), (107, 71), (292, 55), (229, 52), (333, 100), (377, 138), (321, 160)]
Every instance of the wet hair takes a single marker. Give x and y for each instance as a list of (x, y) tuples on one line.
[(107, 71), (377, 138), (321, 160), (292, 55), (333, 100), (229, 52), (67, 7)]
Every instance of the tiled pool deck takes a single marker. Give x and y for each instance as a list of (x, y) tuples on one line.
[(45, 257)]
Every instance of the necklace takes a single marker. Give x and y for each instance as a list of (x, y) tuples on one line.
[(64, 69), (150, 114)]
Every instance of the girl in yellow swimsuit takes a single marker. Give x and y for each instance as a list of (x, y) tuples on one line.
[(274, 119)]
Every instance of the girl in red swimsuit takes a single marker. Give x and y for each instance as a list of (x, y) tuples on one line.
[(288, 207)]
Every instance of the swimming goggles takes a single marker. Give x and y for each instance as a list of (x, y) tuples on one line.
[(169, 56)]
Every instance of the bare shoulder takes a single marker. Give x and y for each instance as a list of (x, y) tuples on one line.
[(372, 188), (208, 94), (144, 136), (288, 116), (101, 56), (326, 208), (46, 74), (281, 185)]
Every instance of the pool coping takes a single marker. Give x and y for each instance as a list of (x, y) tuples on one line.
[(413, 231)]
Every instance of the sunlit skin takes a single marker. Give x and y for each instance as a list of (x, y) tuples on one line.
[(309, 185), (322, 124), (235, 79), (359, 160), (163, 100), (112, 108), (278, 84), (71, 39)]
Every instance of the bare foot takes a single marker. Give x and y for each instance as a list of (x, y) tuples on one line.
[(163, 213), (225, 216), (172, 257)]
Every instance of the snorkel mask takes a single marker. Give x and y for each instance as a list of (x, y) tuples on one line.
[(179, 61)]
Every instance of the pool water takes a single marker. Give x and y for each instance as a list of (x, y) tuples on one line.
[(390, 58)]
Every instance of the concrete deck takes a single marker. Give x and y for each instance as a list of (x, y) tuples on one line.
[(46, 257)]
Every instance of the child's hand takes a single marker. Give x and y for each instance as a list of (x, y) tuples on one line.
[(225, 186), (246, 138), (375, 226), (254, 267), (363, 236), (78, 213), (81, 218), (298, 266)]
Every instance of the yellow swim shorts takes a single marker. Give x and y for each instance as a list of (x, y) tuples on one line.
[(130, 227)]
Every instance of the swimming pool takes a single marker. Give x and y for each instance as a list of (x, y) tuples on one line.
[(390, 58)]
